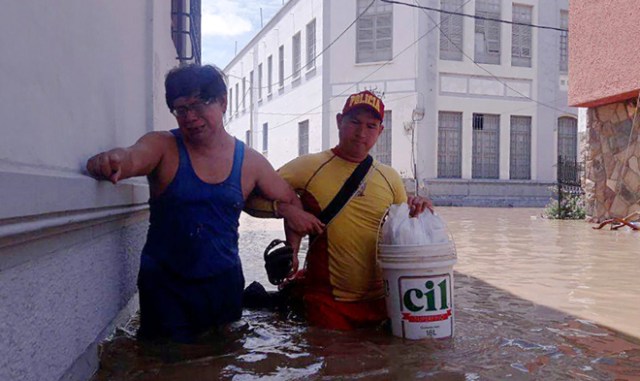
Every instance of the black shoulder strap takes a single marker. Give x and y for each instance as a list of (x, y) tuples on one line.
[(348, 189)]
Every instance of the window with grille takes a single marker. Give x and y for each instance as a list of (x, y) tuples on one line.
[(487, 35), (303, 138), (281, 66), (521, 36), (520, 148), (564, 42), (311, 44), (244, 93), (269, 74), (374, 32), (450, 145), (265, 137), (296, 52), (451, 31), (247, 138), (381, 151), (486, 146), (568, 138), (260, 81)]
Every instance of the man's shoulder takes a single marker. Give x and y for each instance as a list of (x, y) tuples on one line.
[(309, 160), (386, 170)]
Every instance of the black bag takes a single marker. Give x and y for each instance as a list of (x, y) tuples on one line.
[(278, 261)]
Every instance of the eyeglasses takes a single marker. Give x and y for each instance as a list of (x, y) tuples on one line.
[(198, 108)]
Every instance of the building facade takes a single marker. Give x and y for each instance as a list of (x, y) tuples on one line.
[(477, 108), (77, 78), (606, 81)]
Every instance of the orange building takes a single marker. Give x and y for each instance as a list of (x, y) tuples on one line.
[(604, 76)]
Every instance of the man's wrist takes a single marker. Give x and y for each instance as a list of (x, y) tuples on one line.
[(276, 206)]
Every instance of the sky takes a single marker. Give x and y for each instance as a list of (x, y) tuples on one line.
[(226, 21)]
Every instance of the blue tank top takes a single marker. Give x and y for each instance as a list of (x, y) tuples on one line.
[(193, 226)]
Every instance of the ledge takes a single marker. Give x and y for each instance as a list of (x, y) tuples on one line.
[(20, 230)]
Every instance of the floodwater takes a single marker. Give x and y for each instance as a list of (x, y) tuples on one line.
[(535, 299)]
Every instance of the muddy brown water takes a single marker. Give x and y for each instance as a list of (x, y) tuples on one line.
[(535, 299)]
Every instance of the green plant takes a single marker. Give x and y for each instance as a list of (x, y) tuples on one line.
[(571, 206)]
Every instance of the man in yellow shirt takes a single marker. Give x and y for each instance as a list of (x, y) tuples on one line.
[(342, 283)]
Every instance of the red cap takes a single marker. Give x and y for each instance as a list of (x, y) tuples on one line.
[(365, 99)]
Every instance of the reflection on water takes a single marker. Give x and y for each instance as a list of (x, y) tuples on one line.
[(535, 300)]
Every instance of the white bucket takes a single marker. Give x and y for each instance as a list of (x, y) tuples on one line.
[(418, 283)]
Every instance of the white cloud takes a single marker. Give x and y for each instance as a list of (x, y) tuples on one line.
[(228, 25), (234, 17)]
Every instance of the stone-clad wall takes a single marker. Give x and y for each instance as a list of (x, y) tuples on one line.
[(612, 178)]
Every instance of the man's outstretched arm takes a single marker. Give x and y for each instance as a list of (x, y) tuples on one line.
[(121, 163)]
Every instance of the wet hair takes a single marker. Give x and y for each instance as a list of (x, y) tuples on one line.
[(205, 82)]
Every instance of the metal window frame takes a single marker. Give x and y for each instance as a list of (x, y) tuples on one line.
[(451, 26), (485, 163), (521, 36), (449, 135), (311, 44), (303, 137), (491, 30), (374, 14), (296, 54), (382, 150), (520, 148)]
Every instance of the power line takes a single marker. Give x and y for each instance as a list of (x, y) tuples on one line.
[(323, 50), (486, 70), (475, 16), (368, 75)]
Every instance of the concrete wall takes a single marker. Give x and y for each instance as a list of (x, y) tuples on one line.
[(601, 61), (76, 78)]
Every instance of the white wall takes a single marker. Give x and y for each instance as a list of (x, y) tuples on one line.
[(76, 78)]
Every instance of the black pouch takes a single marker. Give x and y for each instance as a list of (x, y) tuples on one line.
[(278, 261)]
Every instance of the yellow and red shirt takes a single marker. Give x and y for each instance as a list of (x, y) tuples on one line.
[(342, 260)]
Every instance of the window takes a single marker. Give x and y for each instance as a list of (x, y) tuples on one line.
[(487, 40), (520, 149), (230, 100), (451, 31), (303, 137), (381, 151), (311, 44), (269, 74), (450, 145), (244, 93), (568, 138), (247, 138), (296, 51), (237, 104), (564, 42), (521, 36), (486, 146), (281, 66), (251, 88), (260, 82), (265, 138), (374, 34)]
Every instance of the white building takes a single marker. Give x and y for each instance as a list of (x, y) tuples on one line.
[(477, 107), (76, 78)]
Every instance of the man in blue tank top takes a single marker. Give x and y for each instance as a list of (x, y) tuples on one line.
[(190, 277)]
